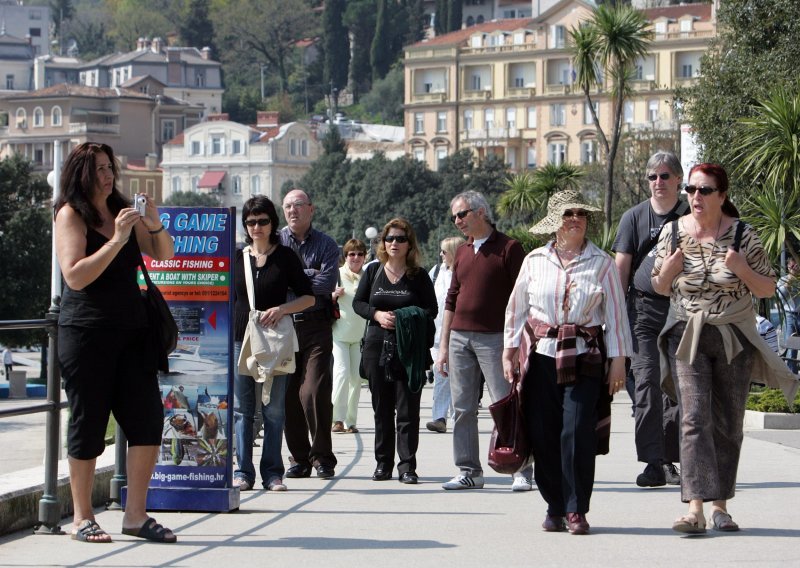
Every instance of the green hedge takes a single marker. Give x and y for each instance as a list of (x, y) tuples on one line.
[(771, 400)]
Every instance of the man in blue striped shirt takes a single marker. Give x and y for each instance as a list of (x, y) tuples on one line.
[(308, 394)]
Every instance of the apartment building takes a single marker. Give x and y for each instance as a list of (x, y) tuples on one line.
[(132, 122), (236, 161), (506, 87), (30, 23)]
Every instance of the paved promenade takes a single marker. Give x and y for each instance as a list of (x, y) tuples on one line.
[(351, 521)]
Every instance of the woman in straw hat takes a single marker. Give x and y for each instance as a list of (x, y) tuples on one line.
[(567, 332)]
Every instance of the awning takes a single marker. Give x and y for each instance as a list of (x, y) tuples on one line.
[(211, 179)]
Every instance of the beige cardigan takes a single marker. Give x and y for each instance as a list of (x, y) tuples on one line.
[(768, 367)]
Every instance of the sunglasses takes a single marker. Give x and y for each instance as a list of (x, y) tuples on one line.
[(259, 222), (703, 189), (579, 213), (665, 176), (399, 238), (354, 254), (460, 215)]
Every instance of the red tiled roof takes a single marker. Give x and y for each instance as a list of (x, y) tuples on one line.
[(211, 179), (177, 141), (702, 11), (462, 35), (269, 132)]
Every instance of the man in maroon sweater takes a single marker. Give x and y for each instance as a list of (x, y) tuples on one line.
[(484, 272)]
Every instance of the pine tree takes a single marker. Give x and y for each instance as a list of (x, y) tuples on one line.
[(440, 21), (336, 45), (380, 53), (455, 15), (195, 26)]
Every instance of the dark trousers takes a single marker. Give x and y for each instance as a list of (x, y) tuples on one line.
[(561, 422), (308, 396), (712, 394), (388, 397), (656, 416)]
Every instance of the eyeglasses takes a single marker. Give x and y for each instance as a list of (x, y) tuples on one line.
[(259, 222), (664, 176), (400, 239), (295, 204), (460, 215), (579, 213), (354, 254), (703, 189)]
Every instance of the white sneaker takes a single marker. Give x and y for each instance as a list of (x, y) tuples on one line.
[(464, 482), (522, 483), (276, 485)]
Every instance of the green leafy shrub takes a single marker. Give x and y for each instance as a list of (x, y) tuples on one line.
[(771, 400)]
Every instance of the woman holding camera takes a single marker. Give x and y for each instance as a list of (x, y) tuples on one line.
[(105, 349)]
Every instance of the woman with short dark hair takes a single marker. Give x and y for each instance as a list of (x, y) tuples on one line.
[(276, 270)]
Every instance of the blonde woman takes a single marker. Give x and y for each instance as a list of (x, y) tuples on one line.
[(347, 333), (441, 276)]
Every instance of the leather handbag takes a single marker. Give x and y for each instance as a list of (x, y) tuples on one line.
[(162, 323), (509, 448)]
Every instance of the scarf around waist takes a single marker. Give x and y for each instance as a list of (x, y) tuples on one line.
[(566, 348)]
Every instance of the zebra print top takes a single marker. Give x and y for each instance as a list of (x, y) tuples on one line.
[(706, 284)]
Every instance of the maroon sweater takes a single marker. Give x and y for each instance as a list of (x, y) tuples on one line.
[(483, 282)]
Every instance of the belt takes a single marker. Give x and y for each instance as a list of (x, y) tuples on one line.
[(316, 315), (656, 297)]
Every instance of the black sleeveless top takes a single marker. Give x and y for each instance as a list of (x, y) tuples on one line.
[(113, 299)]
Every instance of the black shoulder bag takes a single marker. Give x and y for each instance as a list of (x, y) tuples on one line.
[(162, 323), (361, 371)]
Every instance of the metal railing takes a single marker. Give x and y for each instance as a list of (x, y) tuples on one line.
[(49, 510)]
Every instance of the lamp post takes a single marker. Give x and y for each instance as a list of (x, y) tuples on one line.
[(371, 233)]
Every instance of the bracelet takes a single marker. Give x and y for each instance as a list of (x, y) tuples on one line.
[(161, 228)]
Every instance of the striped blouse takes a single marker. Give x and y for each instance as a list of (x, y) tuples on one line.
[(587, 293)]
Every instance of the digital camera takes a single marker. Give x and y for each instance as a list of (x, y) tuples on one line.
[(140, 204)]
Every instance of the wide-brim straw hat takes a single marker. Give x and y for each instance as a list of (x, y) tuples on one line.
[(556, 205)]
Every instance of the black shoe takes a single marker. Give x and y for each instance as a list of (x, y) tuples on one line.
[(324, 472), (554, 523), (652, 476), (672, 474), (298, 470), (382, 474), (409, 478)]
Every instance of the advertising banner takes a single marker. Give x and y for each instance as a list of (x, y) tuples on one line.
[(194, 467)]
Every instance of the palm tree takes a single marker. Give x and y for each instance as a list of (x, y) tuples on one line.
[(527, 192), (604, 51), (768, 154)]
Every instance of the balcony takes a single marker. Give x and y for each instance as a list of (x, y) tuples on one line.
[(559, 89), (671, 36), (482, 95), (642, 86), (93, 128), (493, 136), (429, 97), (511, 48), (684, 81), (521, 92)]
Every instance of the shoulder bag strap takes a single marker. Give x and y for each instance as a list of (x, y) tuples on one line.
[(248, 278), (737, 238)]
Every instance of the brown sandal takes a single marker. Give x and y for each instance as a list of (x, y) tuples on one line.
[(722, 521)]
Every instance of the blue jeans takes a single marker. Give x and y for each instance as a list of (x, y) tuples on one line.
[(248, 396)]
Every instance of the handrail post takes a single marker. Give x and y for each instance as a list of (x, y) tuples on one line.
[(120, 478), (49, 508)]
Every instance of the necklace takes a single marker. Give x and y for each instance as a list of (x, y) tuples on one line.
[(706, 284), (569, 255), (397, 276), (259, 255)]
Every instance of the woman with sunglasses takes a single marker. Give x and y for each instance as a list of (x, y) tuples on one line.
[(567, 333), (397, 299), (275, 270), (347, 333), (711, 265)]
